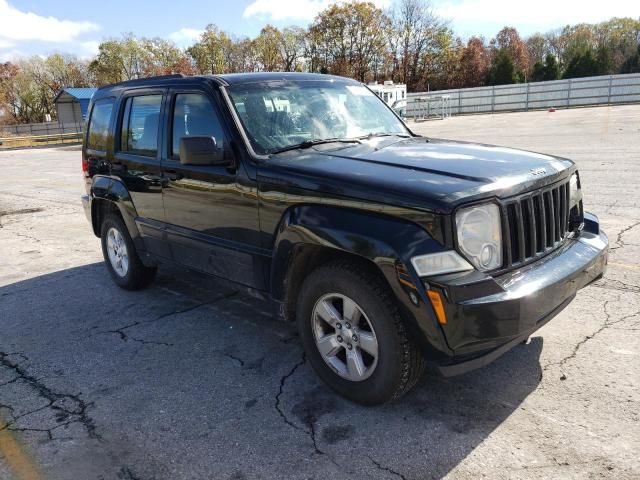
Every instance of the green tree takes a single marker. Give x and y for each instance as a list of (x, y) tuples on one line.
[(119, 60), (503, 70), (632, 64), (582, 65), (549, 70)]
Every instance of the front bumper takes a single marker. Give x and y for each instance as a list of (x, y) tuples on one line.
[(488, 316)]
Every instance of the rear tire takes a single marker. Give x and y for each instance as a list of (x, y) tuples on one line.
[(390, 364), (121, 257)]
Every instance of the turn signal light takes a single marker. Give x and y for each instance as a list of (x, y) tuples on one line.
[(438, 306)]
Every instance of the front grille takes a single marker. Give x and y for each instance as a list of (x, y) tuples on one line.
[(537, 223)]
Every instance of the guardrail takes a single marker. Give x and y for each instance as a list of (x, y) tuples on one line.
[(40, 140), (577, 92)]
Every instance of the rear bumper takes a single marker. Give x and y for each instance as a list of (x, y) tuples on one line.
[(86, 204), (486, 316)]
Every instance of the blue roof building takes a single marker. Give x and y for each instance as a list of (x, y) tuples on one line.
[(72, 104)]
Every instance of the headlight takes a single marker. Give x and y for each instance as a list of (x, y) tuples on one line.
[(575, 194), (439, 263), (480, 235)]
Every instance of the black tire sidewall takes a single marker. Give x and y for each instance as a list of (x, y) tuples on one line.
[(386, 378), (130, 279)]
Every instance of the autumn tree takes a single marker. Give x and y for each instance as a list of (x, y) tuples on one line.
[(508, 42), (8, 73), (267, 47), (474, 63), (351, 38), (415, 33), (292, 48), (209, 52), (241, 56), (165, 58)]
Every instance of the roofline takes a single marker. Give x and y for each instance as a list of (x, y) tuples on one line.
[(224, 80), (138, 81)]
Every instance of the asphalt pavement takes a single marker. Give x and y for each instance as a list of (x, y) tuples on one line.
[(191, 379)]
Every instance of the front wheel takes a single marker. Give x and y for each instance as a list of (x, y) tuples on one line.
[(353, 335), (120, 256)]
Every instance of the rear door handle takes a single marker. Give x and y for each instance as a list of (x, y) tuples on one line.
[(173, 175)]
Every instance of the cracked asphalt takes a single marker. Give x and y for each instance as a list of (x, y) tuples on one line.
[(191, 379)]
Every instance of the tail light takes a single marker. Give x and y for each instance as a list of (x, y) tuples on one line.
[(85, 165)]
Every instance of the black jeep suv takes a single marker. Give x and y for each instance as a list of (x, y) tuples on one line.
[(387, 248)]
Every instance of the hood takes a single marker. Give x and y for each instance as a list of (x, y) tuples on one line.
[(435, 174)]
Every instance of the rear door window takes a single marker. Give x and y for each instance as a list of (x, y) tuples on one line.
[(99, 124), (140, 125)]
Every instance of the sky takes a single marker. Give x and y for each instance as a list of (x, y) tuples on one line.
[(42, 27)]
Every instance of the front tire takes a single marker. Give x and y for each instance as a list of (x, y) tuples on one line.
[(121, 257), (353, 335)]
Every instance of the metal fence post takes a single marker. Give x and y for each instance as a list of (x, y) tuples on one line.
[(493, 98), (609, 95), (569, 93), (526, 107)]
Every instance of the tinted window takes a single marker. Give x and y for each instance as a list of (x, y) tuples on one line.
[(140, 124), (99, 124), (193, 115)]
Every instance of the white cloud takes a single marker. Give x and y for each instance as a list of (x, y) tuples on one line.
[(89, 48), (21, 26), (278, 10), (185, 37), (541, 15), (5, 43), (11, 55)]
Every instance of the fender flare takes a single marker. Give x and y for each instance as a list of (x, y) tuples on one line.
[(385, 241), (113, 190)]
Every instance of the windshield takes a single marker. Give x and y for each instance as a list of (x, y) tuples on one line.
[(277, 115)]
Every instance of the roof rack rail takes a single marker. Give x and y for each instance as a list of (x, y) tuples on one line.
[(146, 79)]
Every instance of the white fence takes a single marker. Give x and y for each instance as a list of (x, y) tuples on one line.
[(603, 90), (35, 129)]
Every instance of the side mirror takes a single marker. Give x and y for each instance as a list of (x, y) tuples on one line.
[(201, 151)]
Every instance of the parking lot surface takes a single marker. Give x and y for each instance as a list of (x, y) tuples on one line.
[(191, 379)]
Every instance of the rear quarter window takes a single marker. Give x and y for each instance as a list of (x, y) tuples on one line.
[(99, 124)]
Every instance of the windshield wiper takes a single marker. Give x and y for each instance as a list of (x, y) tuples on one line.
[(383, 134), (313, 143)]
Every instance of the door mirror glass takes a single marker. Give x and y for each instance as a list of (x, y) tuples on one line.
[(201, 150)]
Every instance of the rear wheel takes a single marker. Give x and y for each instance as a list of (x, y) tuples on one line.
[(121, 257), (353, 335)]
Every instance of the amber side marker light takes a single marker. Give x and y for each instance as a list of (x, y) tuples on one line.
[(438, 306)]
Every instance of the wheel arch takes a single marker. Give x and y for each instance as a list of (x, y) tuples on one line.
[(311, 235), (110, 195)]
